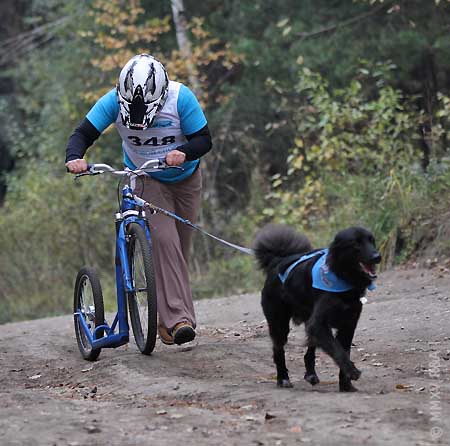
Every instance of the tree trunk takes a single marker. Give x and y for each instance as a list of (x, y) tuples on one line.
[(184, 44), (429, 94)]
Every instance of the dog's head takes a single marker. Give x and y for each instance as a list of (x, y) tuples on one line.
[(353, 256)]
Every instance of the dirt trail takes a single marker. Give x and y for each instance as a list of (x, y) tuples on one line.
[(222, 389)]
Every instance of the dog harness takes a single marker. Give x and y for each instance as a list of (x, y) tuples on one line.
[(322, 278)]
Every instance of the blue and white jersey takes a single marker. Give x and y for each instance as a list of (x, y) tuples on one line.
[(180, 116)]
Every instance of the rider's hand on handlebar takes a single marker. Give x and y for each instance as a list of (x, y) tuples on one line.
[(77, 166), (175, 158)]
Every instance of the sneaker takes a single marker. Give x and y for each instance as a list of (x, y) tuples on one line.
[(183, 332), (164, 335)]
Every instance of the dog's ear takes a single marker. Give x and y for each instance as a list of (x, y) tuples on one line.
[(347, 241)]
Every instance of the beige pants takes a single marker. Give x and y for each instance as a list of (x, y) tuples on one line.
[(171, 241)]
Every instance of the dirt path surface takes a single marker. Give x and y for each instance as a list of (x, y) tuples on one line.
[(222, 390)]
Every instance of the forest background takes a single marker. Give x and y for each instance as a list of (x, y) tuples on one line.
[(324, 114)]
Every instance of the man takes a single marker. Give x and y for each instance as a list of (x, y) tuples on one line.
[(156, 118)]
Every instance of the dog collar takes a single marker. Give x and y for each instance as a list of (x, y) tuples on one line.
[(322, 278)]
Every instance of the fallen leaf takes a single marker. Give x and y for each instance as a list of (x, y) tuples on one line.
[(93, 429), (402, 387), (248, 407), (34, 377), (176, 416)]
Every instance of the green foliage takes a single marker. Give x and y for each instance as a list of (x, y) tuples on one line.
[(48, 230), (355, 160), (342, 132), (224, 277)]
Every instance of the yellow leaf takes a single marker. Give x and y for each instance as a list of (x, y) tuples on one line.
[(282, 23), (286, 31)]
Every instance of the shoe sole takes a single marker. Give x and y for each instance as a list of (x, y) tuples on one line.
[(166, 342), (183, 335), (163, 338)]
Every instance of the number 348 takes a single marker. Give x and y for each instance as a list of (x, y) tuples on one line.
[(135, 140)]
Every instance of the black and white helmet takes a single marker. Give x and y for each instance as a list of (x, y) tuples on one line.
[(141, 91)]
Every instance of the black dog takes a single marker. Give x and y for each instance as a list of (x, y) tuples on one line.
[(323, 291)]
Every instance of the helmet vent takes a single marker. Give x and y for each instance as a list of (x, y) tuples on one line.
[(150, 84), (128, 84)]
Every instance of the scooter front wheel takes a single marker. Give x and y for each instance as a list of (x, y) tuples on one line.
[(88, 305)]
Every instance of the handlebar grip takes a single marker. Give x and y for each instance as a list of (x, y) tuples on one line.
[(89, 166), (163, 165), (87, 172)]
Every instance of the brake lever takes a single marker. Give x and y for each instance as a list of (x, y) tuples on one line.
[(78, 175), (164, 165)]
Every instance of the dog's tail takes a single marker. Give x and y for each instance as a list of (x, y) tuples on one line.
[(276, 241)]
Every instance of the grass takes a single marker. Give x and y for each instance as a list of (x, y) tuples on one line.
[(407, 212)]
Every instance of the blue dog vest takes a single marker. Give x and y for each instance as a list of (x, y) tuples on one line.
[(322, 277)]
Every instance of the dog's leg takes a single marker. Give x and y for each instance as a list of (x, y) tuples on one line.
[(279, 330), (345, 337), (321, 336), (310, 365), (345, 383), (278, 317), (279, 340)]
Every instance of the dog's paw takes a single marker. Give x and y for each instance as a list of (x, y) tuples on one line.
[(351, 372), (312, 378), (284, 383), (347, 386), (355, 374)]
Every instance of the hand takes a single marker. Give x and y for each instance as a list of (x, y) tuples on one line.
[(77, 166), (175, 158)]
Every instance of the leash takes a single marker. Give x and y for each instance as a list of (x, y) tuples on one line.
[(198, 228)]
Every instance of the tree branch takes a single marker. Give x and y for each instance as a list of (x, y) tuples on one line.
[(358, 18)]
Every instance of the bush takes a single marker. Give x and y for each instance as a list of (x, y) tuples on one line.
[(356, 160), (48, 230)]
